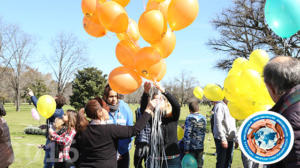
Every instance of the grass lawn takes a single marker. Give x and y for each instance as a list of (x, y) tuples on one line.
[(27, 154)]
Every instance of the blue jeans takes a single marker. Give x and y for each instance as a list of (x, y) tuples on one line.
[(172, 163), (49, 154), (224, 156)]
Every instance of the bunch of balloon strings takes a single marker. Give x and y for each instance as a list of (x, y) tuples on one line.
[(157, 153)]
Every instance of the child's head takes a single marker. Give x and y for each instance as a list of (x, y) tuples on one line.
[(58, 123), (193, 106), (70, 118)]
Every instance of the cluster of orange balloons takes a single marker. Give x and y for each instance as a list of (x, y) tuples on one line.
[(244, 86), (149, 62)]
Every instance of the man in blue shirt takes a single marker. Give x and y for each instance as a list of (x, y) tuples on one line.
[(59, 112), (194, 133), (119, 114)]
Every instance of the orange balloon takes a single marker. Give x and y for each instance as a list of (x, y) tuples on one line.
[(88, 7), (152, 26), (132, 32), (124, 80), (145, 58), (157, 71), (162, 6), (181, 13), (167, 44), (125, 52), (113, 16), (122, 2), (94, 29)]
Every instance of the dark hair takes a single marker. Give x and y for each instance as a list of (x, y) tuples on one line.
[(194, 106), (2, 110), (107, 89), (282, 74), (60, 101)]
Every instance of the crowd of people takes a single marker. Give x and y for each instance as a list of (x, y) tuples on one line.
[(100, 134)]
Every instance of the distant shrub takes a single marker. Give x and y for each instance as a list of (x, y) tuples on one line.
[(34, 131)]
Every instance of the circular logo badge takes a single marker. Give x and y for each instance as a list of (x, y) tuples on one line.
[(266, 137)]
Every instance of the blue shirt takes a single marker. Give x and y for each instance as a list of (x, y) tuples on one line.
[(123, 116), (194, 132)]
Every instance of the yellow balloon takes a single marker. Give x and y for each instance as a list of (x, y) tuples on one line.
[(250, 83), (236, 112), (46, 106), (231, 89), (180, 133), (259, 58), (213, 92), (198, 92), (237, 63)]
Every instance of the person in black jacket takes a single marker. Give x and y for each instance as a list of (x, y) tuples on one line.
[(97, 141), (171, 109)]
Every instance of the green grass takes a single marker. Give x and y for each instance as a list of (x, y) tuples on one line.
[(27, 154)]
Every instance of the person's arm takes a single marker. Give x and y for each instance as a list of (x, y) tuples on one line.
[(34, 100), (119, 131), (65, 138), (187, 134), (145, 96), (218, 118), (175, 105), (32, 97)]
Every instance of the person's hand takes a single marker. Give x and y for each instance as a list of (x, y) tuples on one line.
[(151, 105), (147, 87), (236, 145), (159, 87), (51, 131), (30, 92), (224, 144)]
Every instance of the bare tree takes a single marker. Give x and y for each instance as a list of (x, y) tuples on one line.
[(243, 29), (182, 87), (68, 58), (17, 51)]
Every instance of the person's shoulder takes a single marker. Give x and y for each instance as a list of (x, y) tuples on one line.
[(200, 116)]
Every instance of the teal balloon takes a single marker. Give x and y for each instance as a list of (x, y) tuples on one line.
[(283, 16), (188, 161)]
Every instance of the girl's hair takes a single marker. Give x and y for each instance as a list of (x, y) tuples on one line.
[(72, 118), (91, 111)]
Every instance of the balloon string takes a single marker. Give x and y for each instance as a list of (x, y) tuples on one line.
[(144, 3)]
